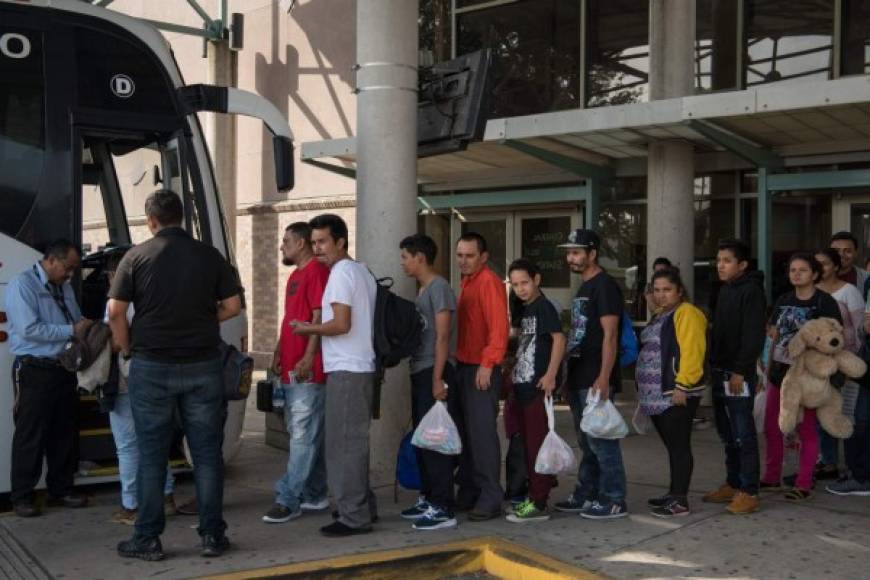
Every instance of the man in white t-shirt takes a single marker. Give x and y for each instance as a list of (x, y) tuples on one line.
[(349, 361)]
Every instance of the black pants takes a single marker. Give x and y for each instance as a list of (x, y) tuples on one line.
[(675, 428), (45, 426), (436, 469), (479, 475)]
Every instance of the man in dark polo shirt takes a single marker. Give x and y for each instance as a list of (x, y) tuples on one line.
[(181, 290)]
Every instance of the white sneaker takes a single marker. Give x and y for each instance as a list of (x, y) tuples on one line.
[(315, 506)]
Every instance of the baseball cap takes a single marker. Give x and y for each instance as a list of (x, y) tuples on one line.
[(581, 238)]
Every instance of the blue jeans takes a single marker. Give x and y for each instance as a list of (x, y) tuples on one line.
[(829, 447), (736, 427), (601, 475), (857, 447), (124, 433), (304, 417), (196, 390)]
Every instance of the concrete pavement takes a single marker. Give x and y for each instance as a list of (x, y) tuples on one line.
[(826, 537)]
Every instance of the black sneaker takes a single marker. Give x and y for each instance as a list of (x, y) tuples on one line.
[(674, 508), (26, 509), (657, 502), (340, 530), (72, 500), (214, 546), (573, 505), (770, 486), (148, 549), (278, 514)]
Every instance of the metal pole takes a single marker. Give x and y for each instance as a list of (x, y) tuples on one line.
[(765, 246), (387, 180)]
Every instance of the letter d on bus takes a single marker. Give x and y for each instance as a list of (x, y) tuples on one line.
[(122, 86), (20, 49)]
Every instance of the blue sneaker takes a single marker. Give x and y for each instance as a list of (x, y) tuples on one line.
[(605, 511), (574, 504), (435, 518), (417, 510)]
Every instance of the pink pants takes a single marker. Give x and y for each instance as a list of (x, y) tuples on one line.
[(809, 440)]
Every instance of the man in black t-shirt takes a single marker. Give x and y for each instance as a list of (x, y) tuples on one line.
[(593, 349), (181, 290)]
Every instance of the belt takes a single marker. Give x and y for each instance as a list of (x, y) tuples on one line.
[(42, 362)]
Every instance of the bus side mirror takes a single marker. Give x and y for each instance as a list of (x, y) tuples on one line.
[(283, 149)]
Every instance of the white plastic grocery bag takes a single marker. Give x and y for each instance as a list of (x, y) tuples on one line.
[(555, 456), (601, 419), (641, 422), (438, 432)]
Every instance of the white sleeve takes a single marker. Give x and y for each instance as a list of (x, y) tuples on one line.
[(339, 288)]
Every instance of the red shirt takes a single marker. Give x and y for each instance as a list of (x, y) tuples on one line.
[(304, 295), (482, 316)]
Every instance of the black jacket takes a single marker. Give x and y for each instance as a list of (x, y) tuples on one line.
[(739, 325)]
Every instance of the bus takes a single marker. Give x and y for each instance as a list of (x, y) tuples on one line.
[(94, 115)]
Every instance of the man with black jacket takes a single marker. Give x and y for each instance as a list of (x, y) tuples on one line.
[(738, 337)]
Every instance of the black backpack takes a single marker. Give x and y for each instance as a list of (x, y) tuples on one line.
[(397, 331)]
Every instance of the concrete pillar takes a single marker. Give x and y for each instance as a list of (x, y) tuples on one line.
[(386, 140), (223, 70), (671, 164)]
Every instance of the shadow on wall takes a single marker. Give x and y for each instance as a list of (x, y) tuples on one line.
[(329, 28)]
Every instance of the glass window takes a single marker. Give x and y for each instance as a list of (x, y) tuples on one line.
[(623, 251), (856, 37), (540, 244), (434, 24), (617, 52), (22, 126), (716, 45), (783, 48), (536, 54)]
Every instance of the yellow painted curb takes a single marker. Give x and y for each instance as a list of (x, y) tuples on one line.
[(492, 555)]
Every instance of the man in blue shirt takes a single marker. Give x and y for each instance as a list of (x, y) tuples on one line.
[(43, 316)]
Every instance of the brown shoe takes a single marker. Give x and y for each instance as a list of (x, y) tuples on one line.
[(743, 503), (125, 517), (724, 494), (188, 508), (169, 507)]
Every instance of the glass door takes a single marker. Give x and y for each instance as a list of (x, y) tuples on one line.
[(498, 231), (537, 235)]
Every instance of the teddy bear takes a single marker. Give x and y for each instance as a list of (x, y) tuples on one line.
[(817, 353)]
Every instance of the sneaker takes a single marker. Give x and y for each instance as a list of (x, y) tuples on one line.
[(528, 511), (725, 494), (435, 518), (148, 549), (673, 509), (71, 500), (340, 530), (657, 502), (315, 506), (767, 486), (214, 546), (849, 486), (188, 508), (278, 514), (26, 509), (573, 505), (125, 517), (169, 507), (418, 510), (743, 504), (826, 472), (605, 511)]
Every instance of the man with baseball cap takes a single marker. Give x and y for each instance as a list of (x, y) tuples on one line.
[(593, 346)]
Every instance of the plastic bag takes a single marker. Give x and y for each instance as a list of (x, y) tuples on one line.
[(601, 419), (759, 409), (641, 422), (438, 432), (555, 456)]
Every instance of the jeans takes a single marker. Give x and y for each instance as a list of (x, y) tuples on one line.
[(601, 475), (736, 427), (829, 448), (304, 417), (857, 447), (674, 426), (124, 433), (195, 389), (436, 469)]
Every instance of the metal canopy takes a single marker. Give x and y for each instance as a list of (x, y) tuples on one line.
[(765, 125)]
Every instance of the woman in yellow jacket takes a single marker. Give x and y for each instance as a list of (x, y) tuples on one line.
[(670, 371)]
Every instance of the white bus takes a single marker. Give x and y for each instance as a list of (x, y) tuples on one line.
[(94, 115)]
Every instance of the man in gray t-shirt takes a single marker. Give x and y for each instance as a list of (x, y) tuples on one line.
[(432, 380)]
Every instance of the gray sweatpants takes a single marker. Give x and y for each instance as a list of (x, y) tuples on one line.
[(348, 419)]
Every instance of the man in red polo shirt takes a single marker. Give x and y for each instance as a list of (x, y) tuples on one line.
[(482, 317), (297, 360)]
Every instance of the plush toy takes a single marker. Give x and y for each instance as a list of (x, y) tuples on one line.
[(817, 353)]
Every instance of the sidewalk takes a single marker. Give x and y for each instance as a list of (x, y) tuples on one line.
[(826, 537)]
